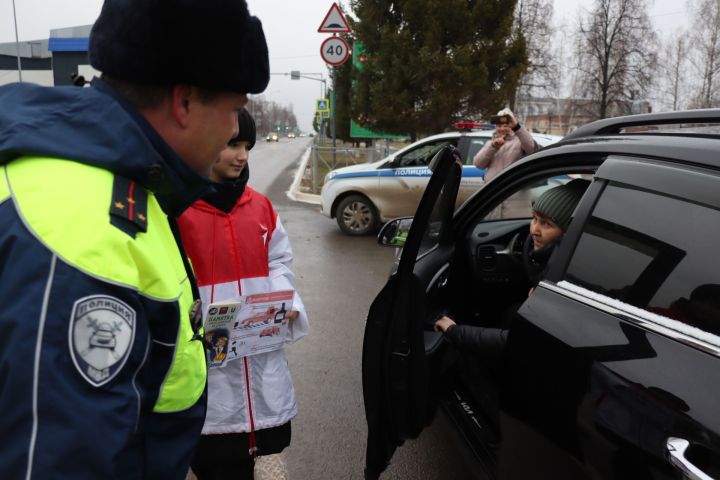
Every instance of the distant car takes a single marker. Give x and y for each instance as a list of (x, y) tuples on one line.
[(291, 135), (272, 137), (361, 197)]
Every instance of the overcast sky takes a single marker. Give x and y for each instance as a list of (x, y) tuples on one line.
[(291, 31)]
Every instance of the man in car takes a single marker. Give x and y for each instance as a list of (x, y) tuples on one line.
[(552, 212)]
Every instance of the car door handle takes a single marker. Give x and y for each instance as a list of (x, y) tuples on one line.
[(676, 448)]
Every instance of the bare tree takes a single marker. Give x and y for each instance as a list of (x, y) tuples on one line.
[(674, 91), (532, 20), (270, 116), (706, 45), (617, 56)]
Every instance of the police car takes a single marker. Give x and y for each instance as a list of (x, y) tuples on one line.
[(362, 196)]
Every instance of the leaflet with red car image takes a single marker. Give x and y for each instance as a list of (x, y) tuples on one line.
[(247, 325)]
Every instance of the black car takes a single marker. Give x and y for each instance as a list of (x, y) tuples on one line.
[(611, 368)]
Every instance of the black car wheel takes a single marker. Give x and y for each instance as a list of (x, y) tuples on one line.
[(356, 215)]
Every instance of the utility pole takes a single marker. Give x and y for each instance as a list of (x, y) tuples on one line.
[(334, 50), (17, 43), (332, 115), (297, 75)]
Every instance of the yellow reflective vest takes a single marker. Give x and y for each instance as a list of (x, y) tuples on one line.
[(97, 348)]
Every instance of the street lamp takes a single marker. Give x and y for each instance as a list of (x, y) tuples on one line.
[(297, 75)]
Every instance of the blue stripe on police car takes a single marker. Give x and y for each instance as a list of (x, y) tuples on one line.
[(467, 171)]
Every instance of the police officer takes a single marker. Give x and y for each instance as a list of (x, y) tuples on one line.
[(102, 372)]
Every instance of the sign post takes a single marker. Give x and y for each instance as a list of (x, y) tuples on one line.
[(334, 51), (322, 105)]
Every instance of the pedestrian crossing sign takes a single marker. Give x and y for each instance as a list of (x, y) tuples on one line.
[(322, 105)]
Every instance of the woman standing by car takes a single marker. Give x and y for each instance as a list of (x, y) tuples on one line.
[(510, 142)]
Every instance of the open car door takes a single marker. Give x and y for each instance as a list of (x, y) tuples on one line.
[(402, 356)]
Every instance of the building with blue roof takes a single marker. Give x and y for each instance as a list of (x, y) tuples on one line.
[(51, 61)]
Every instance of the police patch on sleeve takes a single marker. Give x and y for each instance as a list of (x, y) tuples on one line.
[(102, 330)]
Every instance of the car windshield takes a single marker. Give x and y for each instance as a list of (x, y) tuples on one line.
[(421, 156), (519, 204)]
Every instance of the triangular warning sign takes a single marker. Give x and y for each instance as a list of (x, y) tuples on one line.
[(334, 21)]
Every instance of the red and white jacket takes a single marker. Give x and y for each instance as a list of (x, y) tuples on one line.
[(244, 252)]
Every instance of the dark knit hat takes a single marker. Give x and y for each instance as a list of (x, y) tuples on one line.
[(559, 203), (213, 44), (246, 130)]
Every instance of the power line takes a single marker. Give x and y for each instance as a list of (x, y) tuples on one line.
[(666, 14)]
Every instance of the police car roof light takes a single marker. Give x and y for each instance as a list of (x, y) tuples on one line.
[(471, 125)]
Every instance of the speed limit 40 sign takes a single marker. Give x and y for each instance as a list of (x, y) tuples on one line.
[(335, 51)]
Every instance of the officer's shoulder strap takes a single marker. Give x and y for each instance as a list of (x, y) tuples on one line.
[(128, 206)]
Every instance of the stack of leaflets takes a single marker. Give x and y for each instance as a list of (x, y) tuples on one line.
[(247, 325)]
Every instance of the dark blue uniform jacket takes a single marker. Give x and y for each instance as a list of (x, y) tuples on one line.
[(53, 422)]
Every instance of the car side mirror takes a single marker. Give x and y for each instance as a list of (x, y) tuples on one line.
[(394, 233)]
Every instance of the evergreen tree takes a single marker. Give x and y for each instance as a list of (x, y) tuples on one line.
[(433, 62), (343, 90)]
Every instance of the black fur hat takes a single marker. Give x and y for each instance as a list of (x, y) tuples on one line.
[(246, 132), (213, 44)]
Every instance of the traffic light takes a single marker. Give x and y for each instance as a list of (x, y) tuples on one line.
[(360, 58)]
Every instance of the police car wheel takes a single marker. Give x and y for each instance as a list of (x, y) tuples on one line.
[(356, 215)]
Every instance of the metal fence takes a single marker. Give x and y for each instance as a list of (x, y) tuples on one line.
[(324, 157)]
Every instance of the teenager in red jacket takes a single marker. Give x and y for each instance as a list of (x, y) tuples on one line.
[(238, 246)]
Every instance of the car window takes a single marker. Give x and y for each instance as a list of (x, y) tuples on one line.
[(434, 228), (440, 220), (519, 204), (421, 156), (653, 252), (474, 146)]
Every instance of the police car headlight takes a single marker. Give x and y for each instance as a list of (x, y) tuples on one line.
[(330, 176)]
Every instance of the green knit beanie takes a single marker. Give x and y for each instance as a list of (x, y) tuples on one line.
[(559, 203)]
